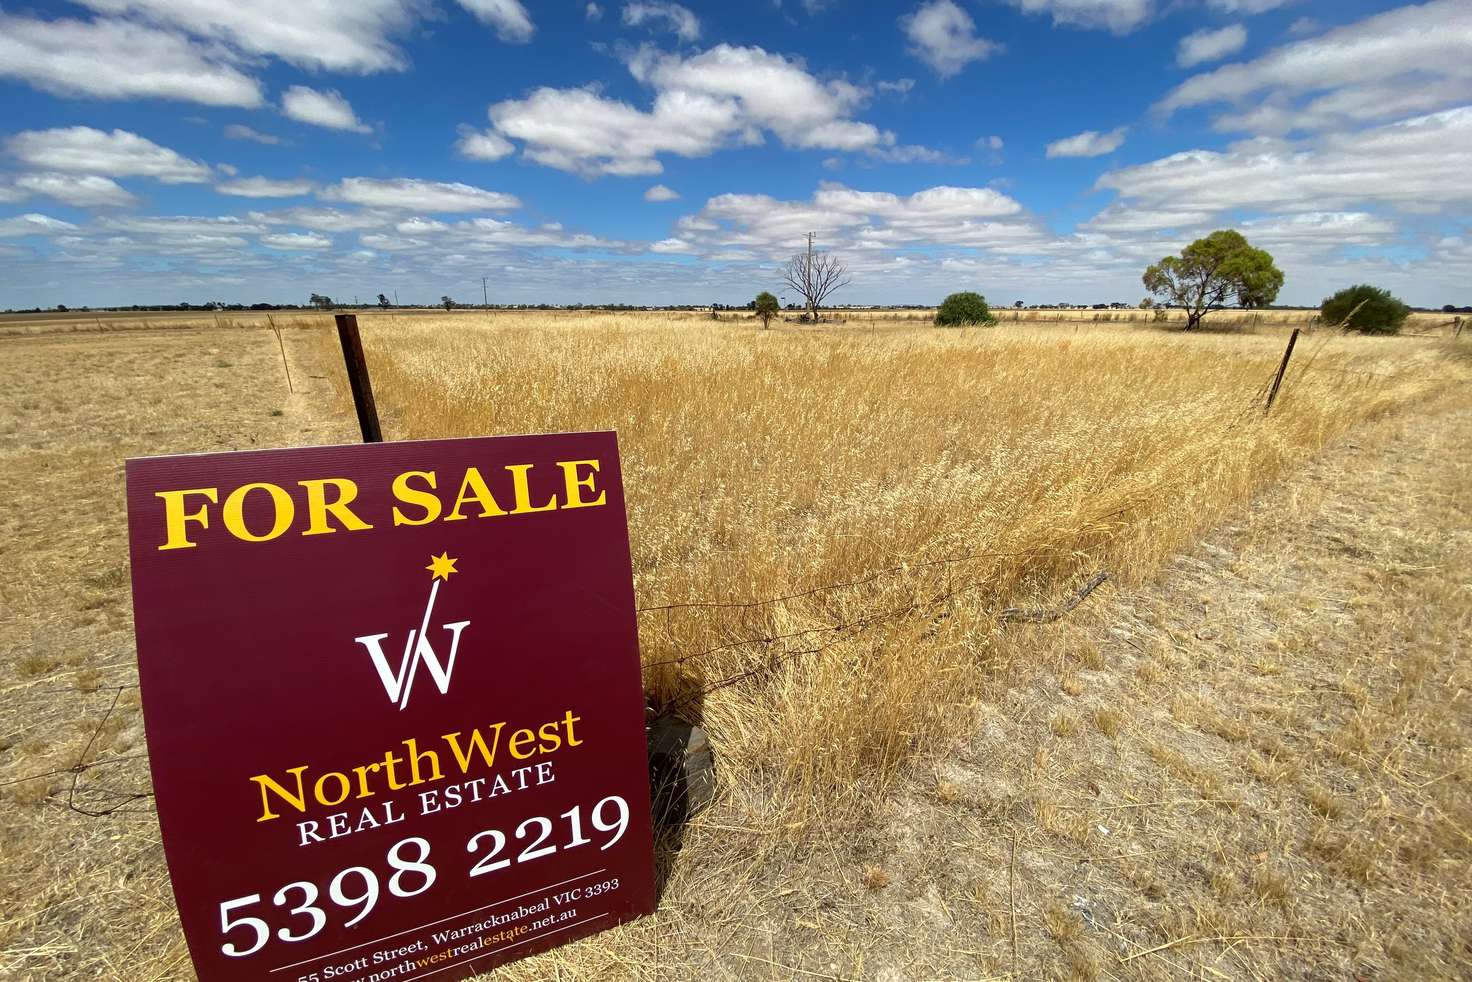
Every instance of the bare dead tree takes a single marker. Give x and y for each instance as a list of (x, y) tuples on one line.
[(815, 276)]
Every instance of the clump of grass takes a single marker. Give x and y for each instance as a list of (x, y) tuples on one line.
[(87, 679), (34, 664), (1271, 884), (1091, 657), (1324, 802), (1063, 724), (1108, 720), (1150, 671), (1062, 924)]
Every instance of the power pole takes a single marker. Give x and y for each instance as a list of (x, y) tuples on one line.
[(396, 298), (807, 276), (485, 297)]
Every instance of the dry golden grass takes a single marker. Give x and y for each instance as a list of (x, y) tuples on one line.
[(969, 470), (888, 740)]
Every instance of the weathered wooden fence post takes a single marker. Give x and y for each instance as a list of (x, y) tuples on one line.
[(1282, 367), (352, 356), (282, 345)]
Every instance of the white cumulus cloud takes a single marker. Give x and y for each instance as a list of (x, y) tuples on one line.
[(238, 131), (114, 59), (182, 225), (1089, 143), (482, 145), (1119, 16), (324, 219), (1409, 59), (1414, 165), (1204, 46), (296, 240), (84, 150), (867, 222), (411, 194), (1315, 228), (33, 224), (1246, 6), (720, 97), (671, 16), (508, 18), (943, 36), (771, 92), (265, 187), (80, 190), (321, 108), (317, 34), (581, 131), (660, 193)]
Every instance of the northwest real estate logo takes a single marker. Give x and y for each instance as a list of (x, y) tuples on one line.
[(418, 650), (393, 702)]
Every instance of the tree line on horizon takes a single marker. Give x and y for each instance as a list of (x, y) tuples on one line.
[(1218, 271)]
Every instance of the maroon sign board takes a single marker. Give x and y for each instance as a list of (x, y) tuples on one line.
[(393, 703)]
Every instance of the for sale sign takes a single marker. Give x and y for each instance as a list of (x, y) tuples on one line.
[(393, 703)]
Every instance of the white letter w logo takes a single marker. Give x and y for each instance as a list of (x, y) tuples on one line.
[(416, 650)]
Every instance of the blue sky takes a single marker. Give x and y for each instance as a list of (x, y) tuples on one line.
[(653, 152)]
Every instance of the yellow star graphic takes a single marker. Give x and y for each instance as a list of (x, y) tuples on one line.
[(442, 566)]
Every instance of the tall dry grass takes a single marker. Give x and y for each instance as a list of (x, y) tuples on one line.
[(899, 484)]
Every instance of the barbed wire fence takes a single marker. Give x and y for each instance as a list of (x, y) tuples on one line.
[(96, 800), (93, 800)]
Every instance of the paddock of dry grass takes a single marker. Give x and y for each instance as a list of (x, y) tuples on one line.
[(868, 494), (972, 469)]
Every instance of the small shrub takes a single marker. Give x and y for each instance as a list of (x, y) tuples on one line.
[(1379, 312), (962, 309), (766, 307)]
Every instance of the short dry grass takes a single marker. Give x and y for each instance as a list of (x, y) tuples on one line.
[(899, 485)]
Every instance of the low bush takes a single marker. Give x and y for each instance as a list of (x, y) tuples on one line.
[(963, 309), (1368, 309)]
